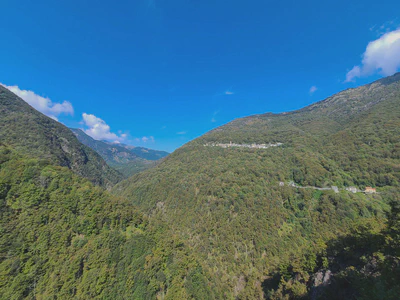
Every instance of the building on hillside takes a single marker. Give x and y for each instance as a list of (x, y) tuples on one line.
[(352, 189), (369, 190), (335, 189), (281, 183)]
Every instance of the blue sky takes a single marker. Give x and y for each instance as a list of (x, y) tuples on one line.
[(160, 73)]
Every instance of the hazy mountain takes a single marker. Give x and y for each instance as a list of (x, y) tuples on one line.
[(31, 132), (146, 153), (125, 158), (253, 199)]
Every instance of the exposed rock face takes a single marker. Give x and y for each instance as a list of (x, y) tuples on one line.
[(321, 279)]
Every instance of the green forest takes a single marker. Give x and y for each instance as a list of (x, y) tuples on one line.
[(208, 222), (63, 238), (229, 206)]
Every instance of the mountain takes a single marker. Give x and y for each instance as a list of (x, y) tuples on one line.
[(272, 206), (126, 159), (146, 153), (30, 132), (63, 238), (254, 200)]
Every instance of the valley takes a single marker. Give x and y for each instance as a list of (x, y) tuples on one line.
[(124, 158), (229, 215), (200, 150)]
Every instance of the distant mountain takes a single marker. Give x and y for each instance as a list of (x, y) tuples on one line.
[(146, 153), (30, 132), (254, 198), (125, 158)]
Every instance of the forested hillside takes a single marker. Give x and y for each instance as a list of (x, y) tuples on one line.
[(33, 133), (258, 235), (63, 238), (246, 211), (126, 159)]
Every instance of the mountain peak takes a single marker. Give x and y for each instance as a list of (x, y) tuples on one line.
[(125, 158)]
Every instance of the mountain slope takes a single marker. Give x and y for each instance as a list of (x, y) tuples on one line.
[(146, 153), (63, 238), (228, 205), (126, 159), (33, 133)]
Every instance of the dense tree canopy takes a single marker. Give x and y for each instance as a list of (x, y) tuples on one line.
[(210, 222), (229, 206), (63, 238)]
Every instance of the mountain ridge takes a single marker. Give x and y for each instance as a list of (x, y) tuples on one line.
[(227, 203), (31, 132), (124, 158)]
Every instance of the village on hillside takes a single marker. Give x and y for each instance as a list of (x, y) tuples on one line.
[(254, 146), (352, 189)]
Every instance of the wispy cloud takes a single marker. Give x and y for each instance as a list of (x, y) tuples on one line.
[(227, 92), (146, 139), (100, 130), (385, 27), (381, 56), (213, 119), (313, 89), (181, 132), (42, 104)]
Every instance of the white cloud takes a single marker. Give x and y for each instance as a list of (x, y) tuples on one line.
[(42, 104), (145, 139), (385, 27), (228, 92), (100, 130), (313, 89), (381, 56), (181, 132)]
